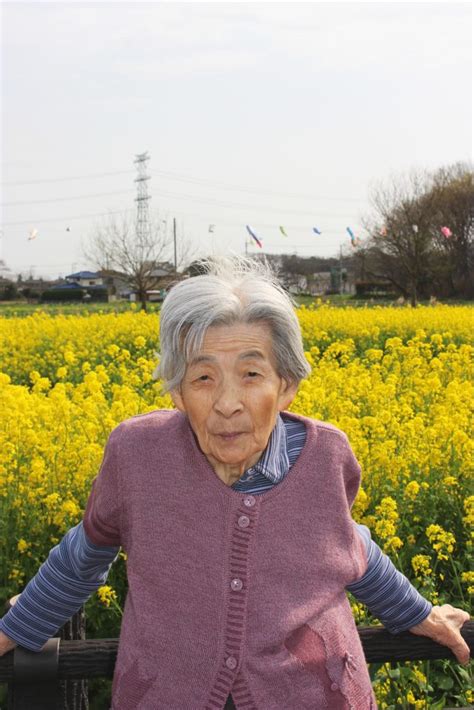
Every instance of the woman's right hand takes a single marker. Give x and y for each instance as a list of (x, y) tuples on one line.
[(6, 644)]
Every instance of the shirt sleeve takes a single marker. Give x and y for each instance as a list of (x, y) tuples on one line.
[(102, 517), (386, 592), (73, 570)]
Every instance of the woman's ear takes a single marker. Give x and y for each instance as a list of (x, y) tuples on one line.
[(177, 400), (287, 394)]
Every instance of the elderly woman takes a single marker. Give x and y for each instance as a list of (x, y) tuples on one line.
[(235, 518)]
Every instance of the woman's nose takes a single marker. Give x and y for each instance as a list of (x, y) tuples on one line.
[(228, 401)]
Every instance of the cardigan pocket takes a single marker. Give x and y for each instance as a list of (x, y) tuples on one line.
[(331, 651), (345, 661)]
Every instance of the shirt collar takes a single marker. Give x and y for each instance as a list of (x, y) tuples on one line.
[(274, 462)]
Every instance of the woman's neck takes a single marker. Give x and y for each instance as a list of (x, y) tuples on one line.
[(230, 473)]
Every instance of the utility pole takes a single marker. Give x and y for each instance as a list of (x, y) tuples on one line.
[(142, 224), (340, 269), (175, 246)]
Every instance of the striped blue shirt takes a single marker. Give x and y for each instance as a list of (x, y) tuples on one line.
[(76, 567)]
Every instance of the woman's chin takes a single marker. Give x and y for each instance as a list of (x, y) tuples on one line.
[(234, 455)]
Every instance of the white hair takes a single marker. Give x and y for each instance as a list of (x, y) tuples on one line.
[(230, 290)]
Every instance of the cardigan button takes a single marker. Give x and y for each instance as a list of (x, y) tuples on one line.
[(236, 585), (231, 662), (334, 686), (243, 521), (249, 501)]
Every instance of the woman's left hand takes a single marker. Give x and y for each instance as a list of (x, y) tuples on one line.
[(443, 625)]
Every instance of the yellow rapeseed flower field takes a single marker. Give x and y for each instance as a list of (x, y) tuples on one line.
[(398, 381)]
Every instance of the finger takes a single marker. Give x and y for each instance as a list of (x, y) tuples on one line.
[(461, 650), (450, 635)]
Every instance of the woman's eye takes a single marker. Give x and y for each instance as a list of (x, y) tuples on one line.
[(252, 374), (203, 378)]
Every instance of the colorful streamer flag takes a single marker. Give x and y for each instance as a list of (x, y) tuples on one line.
[(446, 232), (355, 241), (33, 234), (254, 236), (316, 230), (211, 227), (415, 228), (282, 230)]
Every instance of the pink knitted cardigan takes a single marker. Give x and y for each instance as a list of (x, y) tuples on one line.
[(229, 592)]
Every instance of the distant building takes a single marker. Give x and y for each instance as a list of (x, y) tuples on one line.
[(117, 284), (85, 278)]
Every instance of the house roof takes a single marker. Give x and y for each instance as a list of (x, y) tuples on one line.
[(84, 275)]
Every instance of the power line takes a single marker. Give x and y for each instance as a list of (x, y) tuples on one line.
[(64, 199), (65, 219), (189, 179), (240, 188), (174, 195), (62, 179)]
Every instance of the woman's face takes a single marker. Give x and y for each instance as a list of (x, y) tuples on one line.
[(232, 394)]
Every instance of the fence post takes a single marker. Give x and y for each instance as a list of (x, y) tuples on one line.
[(35, 683), (24, 694)]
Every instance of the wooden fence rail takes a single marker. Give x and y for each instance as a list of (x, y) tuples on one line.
[(40, 674)]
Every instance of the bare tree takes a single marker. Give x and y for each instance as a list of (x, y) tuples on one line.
[(455, 189), (406, 246), (115, 245)]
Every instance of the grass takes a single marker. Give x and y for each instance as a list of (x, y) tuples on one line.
[(9, 309)]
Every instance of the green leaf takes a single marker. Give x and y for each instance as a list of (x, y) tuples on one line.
[(439, 705), (445, 682)]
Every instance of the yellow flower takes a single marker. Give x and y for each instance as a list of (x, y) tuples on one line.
[(469, 508), (468, 578), (51, 500), (70, 507), (69, 357), (22, 545), (421, 565), (412, 489), (441, 540), (393, 544), (139, 342), (419, 675), (106, 595)]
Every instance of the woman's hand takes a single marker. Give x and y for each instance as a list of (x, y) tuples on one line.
[(6, 644), (443, 625)]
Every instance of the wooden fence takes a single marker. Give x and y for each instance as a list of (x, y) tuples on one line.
[(56, 677)]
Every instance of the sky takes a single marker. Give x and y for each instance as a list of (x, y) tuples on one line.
[(260, 114)]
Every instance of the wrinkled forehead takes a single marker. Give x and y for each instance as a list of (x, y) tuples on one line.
[(241, 341), (246, 356)]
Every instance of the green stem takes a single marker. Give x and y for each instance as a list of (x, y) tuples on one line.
[(457, 579)]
